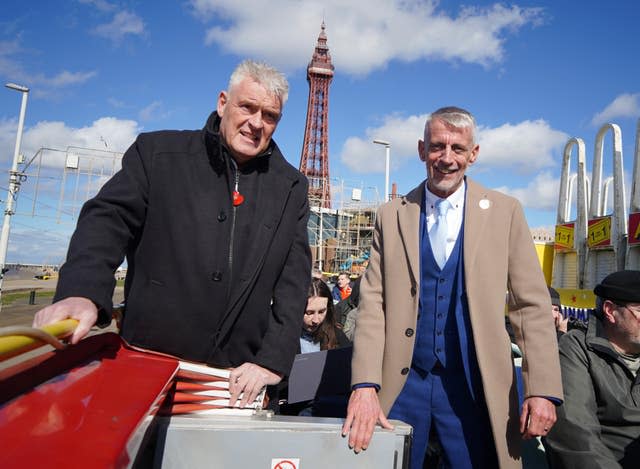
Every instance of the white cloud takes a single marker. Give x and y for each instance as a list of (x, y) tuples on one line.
[(153, 112), (50, 198), (42, 84), (8, 128), (526, 147), (66, 78), (363, 37), (32, 243), (117, 103), (625, 105), (541, 193), (106, 133), (361, 155), (101, 5), (123, 23)]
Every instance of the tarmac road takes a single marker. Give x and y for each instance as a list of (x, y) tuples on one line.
[(21, 312)]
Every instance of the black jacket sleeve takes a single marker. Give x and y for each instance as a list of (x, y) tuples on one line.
[(290, 297), (106, 226)]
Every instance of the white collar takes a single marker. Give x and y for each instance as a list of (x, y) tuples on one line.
[(456, 199)]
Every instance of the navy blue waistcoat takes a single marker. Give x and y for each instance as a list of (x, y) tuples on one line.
[(443, 329)]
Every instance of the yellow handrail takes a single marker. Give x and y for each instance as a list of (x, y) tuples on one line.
[(17, 340)]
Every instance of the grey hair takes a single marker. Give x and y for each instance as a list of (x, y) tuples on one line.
[(455, 116), (266, 75)]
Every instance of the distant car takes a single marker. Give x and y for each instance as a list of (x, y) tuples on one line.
[(45, 276)]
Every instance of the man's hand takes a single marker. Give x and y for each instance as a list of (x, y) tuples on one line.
[(248, 379), (562, 323), (75, 307), (537, 417), (362, 415)]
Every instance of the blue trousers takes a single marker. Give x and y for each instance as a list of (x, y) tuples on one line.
[(441, 400)]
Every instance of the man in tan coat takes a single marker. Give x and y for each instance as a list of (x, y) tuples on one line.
[(419, 345)]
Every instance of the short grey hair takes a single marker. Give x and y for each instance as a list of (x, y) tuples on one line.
[(266, 75), (455, 116)]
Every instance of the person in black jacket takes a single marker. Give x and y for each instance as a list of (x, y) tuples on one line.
[(213, 224)]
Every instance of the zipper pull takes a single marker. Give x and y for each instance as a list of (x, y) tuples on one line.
[(238, 198)]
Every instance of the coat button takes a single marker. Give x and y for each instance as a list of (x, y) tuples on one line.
[(408, 332), (216, 276), (405, 371), (222, 216)]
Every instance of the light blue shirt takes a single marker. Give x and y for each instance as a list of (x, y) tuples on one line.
[(307, 345)]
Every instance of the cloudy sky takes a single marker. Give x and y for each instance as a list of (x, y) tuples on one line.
[(535, 73)]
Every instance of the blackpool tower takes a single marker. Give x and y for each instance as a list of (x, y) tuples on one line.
[(314, 160)]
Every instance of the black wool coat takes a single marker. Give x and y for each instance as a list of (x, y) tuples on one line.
[(206, 281)]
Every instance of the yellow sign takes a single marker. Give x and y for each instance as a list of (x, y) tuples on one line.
[(599, 232), (634, 228), (575, 298), (564, 236)]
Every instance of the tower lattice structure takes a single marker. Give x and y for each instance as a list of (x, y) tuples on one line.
[(314, 160)]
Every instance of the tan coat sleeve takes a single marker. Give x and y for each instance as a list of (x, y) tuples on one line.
[(530, 315), (369, 337)]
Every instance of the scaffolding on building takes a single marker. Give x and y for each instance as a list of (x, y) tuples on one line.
[(340, 237)]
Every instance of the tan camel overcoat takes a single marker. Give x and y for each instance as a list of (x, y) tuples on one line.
[(499, 256)]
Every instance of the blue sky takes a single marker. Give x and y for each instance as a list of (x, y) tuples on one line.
[(535, 73)]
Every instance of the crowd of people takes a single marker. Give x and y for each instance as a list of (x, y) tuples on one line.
[(222, 275)]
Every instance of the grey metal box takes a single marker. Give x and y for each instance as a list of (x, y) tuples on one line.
[(268, 442)]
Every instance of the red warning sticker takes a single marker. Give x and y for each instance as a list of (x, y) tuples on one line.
[(285, 463)]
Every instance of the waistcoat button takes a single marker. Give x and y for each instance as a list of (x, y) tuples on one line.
[(405, 371), (408, 332)]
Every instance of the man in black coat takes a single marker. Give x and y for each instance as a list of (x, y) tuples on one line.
[(213, 224)]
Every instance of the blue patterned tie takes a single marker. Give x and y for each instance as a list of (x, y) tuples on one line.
[(438, 233)]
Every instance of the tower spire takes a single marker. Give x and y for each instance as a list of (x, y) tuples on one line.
[(314, 160)]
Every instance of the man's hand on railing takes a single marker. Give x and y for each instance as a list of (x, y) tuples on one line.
[(82, 309)]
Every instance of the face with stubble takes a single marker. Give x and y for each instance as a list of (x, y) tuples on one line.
[(249, 114), (623, 326), (447, 152)]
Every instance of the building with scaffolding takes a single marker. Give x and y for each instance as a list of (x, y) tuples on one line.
[(340, 237)]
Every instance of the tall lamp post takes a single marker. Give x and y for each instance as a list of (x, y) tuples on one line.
[(387, 146), (14, 182)]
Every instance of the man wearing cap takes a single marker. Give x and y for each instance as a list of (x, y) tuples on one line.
[(599, 424)]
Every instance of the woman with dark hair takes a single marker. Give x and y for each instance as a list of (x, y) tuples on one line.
[(319, 328), (319, 332)]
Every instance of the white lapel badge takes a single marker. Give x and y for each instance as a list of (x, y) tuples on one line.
[(484, 204)]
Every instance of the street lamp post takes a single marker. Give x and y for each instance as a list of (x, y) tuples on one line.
[(14, 182), (387, 146)]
